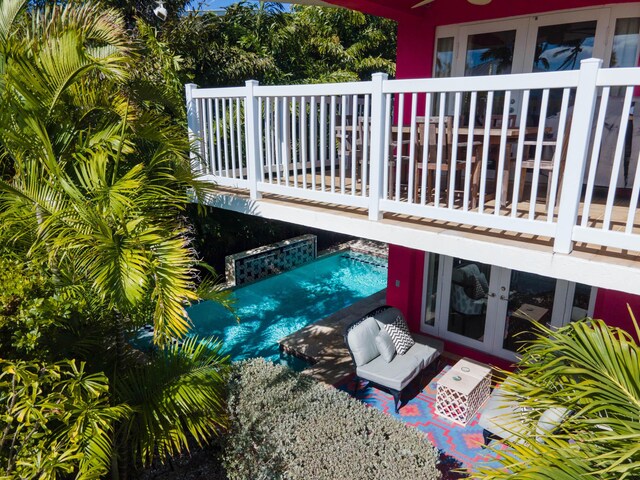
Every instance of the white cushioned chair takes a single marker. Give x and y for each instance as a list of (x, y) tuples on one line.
[(394, 372), (503, 417)]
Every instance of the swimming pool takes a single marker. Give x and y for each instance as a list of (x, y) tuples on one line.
[(277, 306)]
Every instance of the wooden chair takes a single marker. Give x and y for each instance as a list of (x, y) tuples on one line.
[(528, 162), (428, 138)]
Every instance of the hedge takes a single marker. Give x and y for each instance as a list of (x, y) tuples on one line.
[(285, 425)]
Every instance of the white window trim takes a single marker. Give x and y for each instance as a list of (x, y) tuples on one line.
[(527, 28)]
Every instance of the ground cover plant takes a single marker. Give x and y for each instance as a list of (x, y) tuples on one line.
[(284, 425)]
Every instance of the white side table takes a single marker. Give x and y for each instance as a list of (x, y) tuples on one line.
[(463, 390)]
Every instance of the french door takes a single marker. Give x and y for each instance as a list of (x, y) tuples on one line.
[(490, 308)]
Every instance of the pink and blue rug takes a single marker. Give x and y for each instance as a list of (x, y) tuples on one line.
[(460, 446)]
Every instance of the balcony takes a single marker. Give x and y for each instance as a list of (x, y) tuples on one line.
[(542, 164)]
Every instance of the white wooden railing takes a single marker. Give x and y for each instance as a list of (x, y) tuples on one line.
[(522, 153)]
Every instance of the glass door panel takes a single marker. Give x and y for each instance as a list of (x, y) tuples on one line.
[(626, 41), (444, 58), (468, 299), (490, 53), (559, 47), (562, 47), (530, 301)]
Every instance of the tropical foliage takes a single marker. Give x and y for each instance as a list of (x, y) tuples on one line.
[(592, 370), (55, 421), (262, 41), (94, 179)]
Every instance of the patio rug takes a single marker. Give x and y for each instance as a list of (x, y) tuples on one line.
[(460, 447)]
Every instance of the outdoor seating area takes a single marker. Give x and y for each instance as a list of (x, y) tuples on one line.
[(386, 354)]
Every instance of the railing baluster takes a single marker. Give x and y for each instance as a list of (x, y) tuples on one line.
[(425, 148), (277, 140), (268, 138), (232, 138), (203, 128), (617, 158), (533, 198), (454, 150), (365, 146), (560, 142), (399, 145), (354, 124), (211, 140), (286, 139), (441, 135), (343, 142), (595, 156), (332, 143), (225, 138), (239, 135), (470, 138), (261, 119), (386, 153), (486, 139), (323, 140), (313, 123), (219, 140), (412, 147), (303, 138), (294, 142), (520, 152), (500, 169)]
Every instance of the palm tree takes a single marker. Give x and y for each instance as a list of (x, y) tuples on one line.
[(95, 179), (592, 371)]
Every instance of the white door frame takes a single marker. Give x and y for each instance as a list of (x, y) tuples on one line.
[(496, 313)]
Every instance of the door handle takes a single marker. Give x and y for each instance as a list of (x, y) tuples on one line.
[(491, 295), (502, 297)]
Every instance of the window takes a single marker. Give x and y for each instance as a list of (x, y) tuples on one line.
[(444, 58)]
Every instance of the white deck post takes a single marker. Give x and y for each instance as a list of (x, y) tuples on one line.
[(378, 124), (577, 150), (193, 126), (251, 118)]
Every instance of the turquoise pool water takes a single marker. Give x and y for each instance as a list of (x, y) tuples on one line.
[(277, 306)]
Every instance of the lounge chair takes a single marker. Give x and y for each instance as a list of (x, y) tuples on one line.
[(381, 365), (504, 417)]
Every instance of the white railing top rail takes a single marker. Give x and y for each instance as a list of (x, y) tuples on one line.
[(317, 89), (222, 92), (513, 82), (618, 77)]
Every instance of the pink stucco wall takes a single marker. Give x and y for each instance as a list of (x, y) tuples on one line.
[(611, 306), (404, 283)]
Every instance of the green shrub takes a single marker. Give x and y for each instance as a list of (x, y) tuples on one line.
[(287, 426)]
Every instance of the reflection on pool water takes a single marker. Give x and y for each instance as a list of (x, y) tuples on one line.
[(275, 307)]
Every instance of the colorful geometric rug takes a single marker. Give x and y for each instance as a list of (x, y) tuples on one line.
[(460, 447)]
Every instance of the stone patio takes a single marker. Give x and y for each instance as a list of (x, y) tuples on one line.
[(322, 342)]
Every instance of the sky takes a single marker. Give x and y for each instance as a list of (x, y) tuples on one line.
[(215, 4)]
